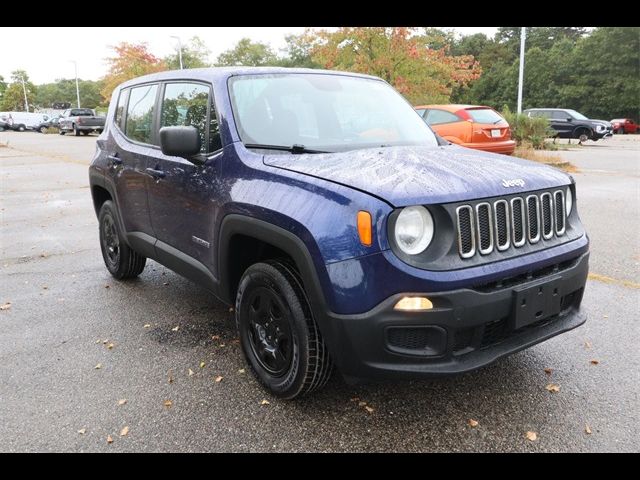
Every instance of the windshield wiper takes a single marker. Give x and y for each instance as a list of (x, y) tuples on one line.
[(295, 148)]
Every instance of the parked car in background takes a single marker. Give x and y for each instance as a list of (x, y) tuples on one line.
[(571, 124), (471, 126), (80, 121), (624, 125), (21, 121), (340, 227), (4, 125), (50, 122)]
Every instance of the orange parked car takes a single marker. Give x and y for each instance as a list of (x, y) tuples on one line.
[(470, 126)]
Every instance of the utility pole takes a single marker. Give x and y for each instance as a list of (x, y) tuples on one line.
[(523, 36), (179, 49), (75, 64), (24, 89)]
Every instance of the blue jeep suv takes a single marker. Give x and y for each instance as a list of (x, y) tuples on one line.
[(342, 229)]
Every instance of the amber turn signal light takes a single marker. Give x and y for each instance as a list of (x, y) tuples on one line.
[(364, 228), (413, 304)]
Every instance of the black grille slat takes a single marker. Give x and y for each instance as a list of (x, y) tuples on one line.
[(559, 211), (501, 214), (547, 215), (517, 221), (466, 242), (485, 231), (533, 218)]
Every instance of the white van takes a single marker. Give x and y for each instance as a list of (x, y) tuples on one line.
[(22, 121)]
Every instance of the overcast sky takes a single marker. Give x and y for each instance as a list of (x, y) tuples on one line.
[(46, 52)]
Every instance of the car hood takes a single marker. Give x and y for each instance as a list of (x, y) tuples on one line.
[(424, 175)]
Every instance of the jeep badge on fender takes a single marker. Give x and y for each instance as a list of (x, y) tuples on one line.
[(344, 232)]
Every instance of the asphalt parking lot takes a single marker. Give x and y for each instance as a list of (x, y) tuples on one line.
[(161, 342)]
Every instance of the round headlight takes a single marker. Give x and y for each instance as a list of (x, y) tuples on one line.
[(414, 230), (568, 199)]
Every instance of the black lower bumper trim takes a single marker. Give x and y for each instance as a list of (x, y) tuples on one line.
[(465, 330)]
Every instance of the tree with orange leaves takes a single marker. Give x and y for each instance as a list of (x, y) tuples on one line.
[(400, 55), (130, 61)]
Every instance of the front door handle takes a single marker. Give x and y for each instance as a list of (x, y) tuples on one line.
[(155, 173), (115, 160)]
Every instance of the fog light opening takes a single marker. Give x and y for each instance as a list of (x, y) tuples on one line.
[(413, 304)]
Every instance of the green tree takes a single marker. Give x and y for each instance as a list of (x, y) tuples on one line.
[(297, 53), (64, 90), (13, 97), (195, 54), (130, 61), (401, 56), (3, 87), (248, 53)]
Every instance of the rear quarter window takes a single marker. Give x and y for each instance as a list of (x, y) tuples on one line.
[(120, 115), (436, 117), (140, 111), (484, 115)]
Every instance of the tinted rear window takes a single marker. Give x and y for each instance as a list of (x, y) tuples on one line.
[(81, 112), (484, 115)]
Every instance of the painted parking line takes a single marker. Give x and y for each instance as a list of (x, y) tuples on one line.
[(615, 281)]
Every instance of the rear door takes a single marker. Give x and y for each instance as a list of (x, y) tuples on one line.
[(488, 126), (184, 197), (562, 122), (131, 147)]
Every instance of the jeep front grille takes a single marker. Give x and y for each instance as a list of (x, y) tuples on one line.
[(485, 227)]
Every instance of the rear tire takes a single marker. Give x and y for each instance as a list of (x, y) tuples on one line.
[(62, 132), (121, 261), (278, 334)]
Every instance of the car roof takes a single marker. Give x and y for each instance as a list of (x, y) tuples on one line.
[(451, 107), (223, 73), (534, 109)]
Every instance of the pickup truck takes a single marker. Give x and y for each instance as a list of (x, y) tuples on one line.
[(80, 121)]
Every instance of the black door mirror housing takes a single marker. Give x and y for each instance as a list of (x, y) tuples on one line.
[(569, 119), (180, 142)]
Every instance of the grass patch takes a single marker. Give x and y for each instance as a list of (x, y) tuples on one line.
[(50, 130), (552, 159)]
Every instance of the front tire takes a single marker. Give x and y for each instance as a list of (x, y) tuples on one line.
[(121, 261), (278, 334), (21, 128)]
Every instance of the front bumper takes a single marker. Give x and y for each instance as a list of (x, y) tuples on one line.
[(466, 329)]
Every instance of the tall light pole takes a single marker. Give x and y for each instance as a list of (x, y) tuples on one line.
[(75, 64), (24, 90), (523, 37), (179, 49)]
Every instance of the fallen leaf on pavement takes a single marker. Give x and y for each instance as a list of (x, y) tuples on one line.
[(175, 329), (82, 431), (168, 403), (369, 409), (219, 378), (548, 371), (191, 372), (109, 439), (107, 286), (110, 346), (104, 342), (241, 370), (605, 316), (124, 432), (264, 402), (98, 366), (202, 364), (587, 344), (473, 423), (166, 283), (45, 287), (98, 341), (221, 345), (362, 404), (215, 337), (170, 377), (553, 388), (595, 362), (146, 325), (587, 429), (354, 399), (122, 402), (532, 436), (6, 306)]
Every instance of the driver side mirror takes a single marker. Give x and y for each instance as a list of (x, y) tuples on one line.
[(569, 119), (180, 142)]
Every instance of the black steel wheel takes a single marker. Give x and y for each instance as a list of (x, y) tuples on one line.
[(121, 261), (278, 334)]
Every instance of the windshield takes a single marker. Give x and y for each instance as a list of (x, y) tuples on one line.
[(324, 112), (576, 115), (484, 115)]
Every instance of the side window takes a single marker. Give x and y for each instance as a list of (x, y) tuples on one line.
[(434, 117), (420, 111), (140, 113), (559, 115), (120, 116), (185, 104)]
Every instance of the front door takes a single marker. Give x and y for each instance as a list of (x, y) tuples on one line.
[(183, 196)]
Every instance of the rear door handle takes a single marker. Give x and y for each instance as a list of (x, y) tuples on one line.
[(155, 173), (115, 160)]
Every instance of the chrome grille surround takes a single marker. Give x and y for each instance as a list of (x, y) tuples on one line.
[(466, 230), (560, 212), (483, 232), (533, 213), (502, 230), (517, 209)]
